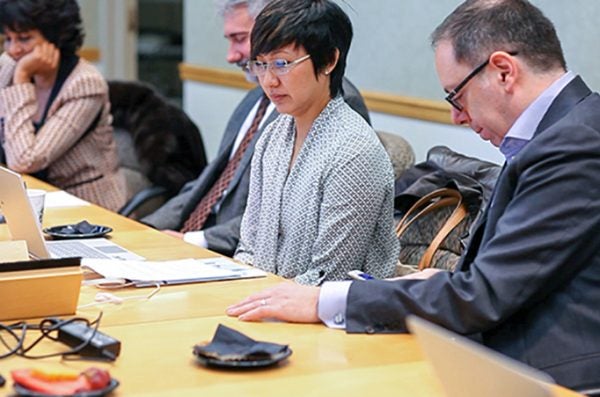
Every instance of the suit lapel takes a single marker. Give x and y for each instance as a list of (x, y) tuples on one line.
[(475, 241), (575, 92), (247, 157), (218, 164), (237, 119), (569, 97), (210, 174), (216, 167)]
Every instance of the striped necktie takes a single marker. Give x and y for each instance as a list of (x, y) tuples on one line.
[(200, 214)]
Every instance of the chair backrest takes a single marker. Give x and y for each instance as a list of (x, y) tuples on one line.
[(399, 150), (167, 143), (158, 144)]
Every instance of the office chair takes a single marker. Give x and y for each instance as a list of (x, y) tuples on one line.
[(400, 152), (160, 148)]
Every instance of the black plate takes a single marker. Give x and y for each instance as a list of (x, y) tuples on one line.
[(213, 362), (55, 232), (23, 391)]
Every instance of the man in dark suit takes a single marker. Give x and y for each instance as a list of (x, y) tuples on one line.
[(219, 226), (528, 285)]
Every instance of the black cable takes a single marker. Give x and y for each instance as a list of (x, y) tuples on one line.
[(19, 339), (46, 327)]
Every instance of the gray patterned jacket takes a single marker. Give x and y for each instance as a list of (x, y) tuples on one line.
[(332, 212)]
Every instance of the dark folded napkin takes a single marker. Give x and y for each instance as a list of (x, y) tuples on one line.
[(83, 227), (231, 345)]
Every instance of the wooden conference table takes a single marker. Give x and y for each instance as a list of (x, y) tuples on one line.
[(158, 334)]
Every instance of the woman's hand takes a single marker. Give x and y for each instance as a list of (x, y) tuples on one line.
[(43, 60), (287, 301)]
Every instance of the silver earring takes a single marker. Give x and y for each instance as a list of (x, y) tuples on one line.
[(327, 72)]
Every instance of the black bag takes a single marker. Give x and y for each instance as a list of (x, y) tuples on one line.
[(437, 203)]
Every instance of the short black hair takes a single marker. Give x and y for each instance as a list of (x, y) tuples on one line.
[(59, 21), (476, 28), (319, 26)]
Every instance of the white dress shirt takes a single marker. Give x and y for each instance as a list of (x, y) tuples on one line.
[(524, 127)]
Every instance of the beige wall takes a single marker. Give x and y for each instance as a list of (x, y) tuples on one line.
[(89, 14), (390, 51), (390, 54)]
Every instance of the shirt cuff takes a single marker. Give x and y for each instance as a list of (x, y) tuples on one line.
[(196, 238), (332, 303)]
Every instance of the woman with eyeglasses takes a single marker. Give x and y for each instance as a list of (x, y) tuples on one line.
[(321, 189), (55, 118)]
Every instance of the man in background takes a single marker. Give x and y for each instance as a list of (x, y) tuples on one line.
[(208, 211), (528, 283)]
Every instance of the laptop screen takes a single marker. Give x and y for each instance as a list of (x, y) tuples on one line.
[(23, 225), (19, 214), (468, 369)]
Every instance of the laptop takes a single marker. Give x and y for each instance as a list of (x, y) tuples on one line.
[(468, 369), (23, 225)]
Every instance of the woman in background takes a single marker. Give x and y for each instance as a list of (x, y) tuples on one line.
[(321, 188), (54, 109)]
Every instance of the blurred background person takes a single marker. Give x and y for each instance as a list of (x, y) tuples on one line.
[(54, 107), (321, 187)]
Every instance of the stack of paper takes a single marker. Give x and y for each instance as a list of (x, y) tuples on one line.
[(146, 273)]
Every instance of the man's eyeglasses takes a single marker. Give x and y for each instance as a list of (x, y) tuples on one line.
[(277, 66), (450, 97)]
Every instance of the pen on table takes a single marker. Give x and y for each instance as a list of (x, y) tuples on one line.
[(366, 276), (358, 275)]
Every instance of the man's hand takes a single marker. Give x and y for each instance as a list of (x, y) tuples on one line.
[(43, 60), (173, 233), (287, 301)]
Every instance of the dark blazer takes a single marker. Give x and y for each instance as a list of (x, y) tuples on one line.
[(529, 282), (223, 226)]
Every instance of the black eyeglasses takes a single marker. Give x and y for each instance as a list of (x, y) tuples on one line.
[(450, 97)]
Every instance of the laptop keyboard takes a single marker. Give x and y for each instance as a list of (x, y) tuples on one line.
[(68, 249)]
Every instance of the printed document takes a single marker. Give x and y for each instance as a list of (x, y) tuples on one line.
[(146, 273)]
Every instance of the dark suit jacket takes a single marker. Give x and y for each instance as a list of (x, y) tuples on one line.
[(223, 226), (529, 282)]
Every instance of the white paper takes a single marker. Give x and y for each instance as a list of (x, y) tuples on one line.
[(171, 272), (61, 199)]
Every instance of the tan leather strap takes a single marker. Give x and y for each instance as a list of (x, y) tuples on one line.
[(459, 213), (437, 199), (446, 197)]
